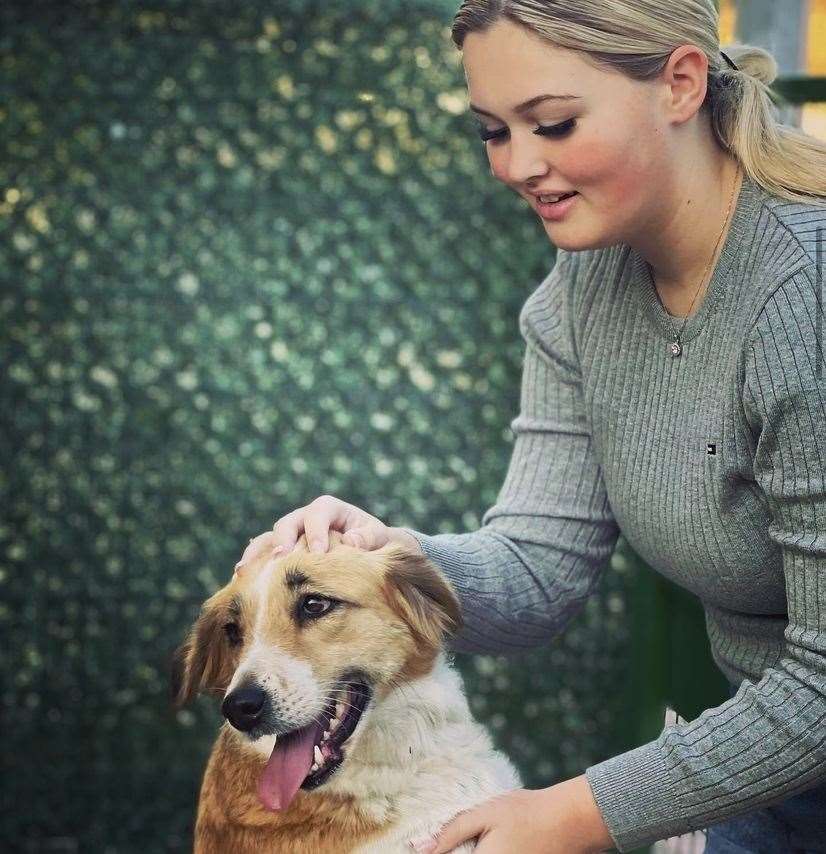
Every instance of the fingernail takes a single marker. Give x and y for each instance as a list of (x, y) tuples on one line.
[(423, 846), (317, 546)]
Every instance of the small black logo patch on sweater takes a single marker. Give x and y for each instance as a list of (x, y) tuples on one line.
[(711, 449)]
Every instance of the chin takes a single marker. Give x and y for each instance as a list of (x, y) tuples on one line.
[(570, 241)]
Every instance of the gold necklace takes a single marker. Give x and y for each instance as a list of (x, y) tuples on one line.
[(676, 347)]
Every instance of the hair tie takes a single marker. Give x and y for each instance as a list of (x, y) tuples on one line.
[(729, 61)]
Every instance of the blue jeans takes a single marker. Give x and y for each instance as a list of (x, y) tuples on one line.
[(794, 826)]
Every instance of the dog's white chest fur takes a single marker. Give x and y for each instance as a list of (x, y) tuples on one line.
[(420, 759)]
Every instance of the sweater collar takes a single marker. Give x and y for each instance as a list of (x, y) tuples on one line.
[(735, 246)]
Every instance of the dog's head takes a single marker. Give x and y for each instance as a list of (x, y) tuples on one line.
[(299, 646)]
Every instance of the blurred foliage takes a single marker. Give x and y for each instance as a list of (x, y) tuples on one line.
[(250, 253)]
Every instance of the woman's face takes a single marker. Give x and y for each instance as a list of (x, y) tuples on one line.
[(611, 142)]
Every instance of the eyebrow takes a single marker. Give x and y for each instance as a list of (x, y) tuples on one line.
[(527, 105), (296, 578)]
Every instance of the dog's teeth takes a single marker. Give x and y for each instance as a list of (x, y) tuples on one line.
[(339, 709), (319, 757), (314, 766), (326, 735), (335, 723)]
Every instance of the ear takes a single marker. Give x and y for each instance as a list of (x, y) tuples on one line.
[(204, 661), (421, 595)]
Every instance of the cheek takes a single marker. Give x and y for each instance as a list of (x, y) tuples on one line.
[(616, 171), (612, 166), (600, 158)]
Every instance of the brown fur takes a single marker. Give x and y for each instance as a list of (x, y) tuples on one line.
[(426, 602), (401, 606), (231, 818), (203, 662)]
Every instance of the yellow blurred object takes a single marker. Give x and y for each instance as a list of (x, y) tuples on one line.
[(728, 21), (816, 41), (813, 116), (813, 120)]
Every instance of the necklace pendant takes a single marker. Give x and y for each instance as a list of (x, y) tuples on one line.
[(675, 348)]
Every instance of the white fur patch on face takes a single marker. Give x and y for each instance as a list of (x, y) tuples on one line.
[(294, 692), (262, 582)]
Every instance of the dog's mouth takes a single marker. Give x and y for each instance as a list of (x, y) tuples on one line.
[(306, 758)]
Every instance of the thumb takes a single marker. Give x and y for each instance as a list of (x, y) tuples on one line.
[(361, 538), (462, 827)]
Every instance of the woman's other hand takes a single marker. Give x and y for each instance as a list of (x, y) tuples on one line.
[(562, 819), (358, 528)]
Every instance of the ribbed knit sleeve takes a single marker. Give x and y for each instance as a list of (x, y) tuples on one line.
[(542, 546), (768, 742)]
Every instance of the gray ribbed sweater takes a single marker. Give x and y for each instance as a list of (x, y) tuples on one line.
[(614, 433)]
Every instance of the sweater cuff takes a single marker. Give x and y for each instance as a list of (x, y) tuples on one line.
[(636, 796), (449, 559)]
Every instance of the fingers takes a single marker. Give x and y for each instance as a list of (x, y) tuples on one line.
[(464, 826), (284, 534), (355, 537), (315, 520), (257, 545), (289, 528), (322, 514), (423, 845), (367, 537)]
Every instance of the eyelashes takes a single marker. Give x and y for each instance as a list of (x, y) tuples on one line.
[(560, 130)]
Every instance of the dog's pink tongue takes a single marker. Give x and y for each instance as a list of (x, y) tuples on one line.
[(287, 767)]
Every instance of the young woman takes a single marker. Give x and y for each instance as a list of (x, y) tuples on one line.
[(674, 388)]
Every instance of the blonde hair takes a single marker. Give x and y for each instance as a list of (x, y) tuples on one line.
[(637, 37)]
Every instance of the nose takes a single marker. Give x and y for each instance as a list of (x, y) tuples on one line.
[(244, 707), (524, 160)]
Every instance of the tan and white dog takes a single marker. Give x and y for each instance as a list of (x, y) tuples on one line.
[(347, 728)]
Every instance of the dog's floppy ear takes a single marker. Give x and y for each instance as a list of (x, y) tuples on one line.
[(204, 661), (421, 596)]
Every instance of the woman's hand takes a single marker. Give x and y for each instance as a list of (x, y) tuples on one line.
[(358, 528), (562, 819)]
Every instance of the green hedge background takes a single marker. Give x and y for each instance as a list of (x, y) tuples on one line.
[(251, 253)]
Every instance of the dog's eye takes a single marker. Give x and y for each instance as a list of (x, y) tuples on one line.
[(315, 606), (233, 633)]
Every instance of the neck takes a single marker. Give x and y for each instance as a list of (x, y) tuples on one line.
[(679, 237), (410, 727)]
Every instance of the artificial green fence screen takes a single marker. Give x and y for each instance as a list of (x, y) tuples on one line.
[(250, 253)]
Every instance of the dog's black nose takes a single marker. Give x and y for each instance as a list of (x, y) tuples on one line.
[(244, 707)]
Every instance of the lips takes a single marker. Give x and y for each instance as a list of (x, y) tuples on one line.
[(556, 211), (538, 193)]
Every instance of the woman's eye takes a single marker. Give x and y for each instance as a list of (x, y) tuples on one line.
[(315, 606), (233, 633), (562, 129)]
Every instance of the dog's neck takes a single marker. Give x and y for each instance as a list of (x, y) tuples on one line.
[(419, 721)]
